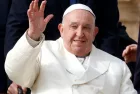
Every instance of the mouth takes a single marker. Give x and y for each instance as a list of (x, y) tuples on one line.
[(79, 40)]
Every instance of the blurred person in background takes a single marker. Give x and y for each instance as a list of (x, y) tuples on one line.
[(4, 10)]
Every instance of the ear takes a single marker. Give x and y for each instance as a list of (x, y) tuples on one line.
[(60, 28), (95, 31)]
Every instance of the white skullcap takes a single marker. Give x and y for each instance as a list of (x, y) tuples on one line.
[(78, 6)]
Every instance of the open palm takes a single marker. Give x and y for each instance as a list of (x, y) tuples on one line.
[(37, 23)]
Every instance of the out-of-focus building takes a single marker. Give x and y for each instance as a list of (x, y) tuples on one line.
[(130, 16)]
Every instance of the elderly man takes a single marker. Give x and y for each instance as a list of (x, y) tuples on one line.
[(69, 65)]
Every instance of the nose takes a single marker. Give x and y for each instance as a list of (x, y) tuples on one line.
[(79, 32)]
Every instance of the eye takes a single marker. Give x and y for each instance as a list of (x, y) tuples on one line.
[(86, 28), (74, 26)]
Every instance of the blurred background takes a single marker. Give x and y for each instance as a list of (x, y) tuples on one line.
[(130, 16)]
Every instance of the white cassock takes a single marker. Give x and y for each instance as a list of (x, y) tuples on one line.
[(49, 68)]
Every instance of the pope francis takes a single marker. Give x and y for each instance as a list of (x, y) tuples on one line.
[(69, 65)]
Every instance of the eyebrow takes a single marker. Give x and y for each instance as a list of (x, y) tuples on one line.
[(88, 25), (73, 23)]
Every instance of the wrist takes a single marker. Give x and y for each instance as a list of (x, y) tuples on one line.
[(34, 36)]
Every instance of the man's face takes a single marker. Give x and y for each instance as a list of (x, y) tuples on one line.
[(78, 32)]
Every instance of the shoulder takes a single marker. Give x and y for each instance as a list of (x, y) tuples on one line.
[(104, 55), (115, 62), (116, 66), (52, 45)]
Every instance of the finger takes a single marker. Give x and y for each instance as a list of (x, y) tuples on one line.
[(133, 45), (9, 91), (127, 50), (124, 53), (35, 6), (127, 58), (42, 7), (29, 13), (133, 49), (14, 88), (24, 89), (31, 5), (48, 18)]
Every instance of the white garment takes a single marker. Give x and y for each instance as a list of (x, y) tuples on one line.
[(49, 68)]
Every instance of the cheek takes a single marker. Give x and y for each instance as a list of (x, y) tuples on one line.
[(89, 35), (70, 35)]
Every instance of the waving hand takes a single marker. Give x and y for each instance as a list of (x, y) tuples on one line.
[(37, 22)]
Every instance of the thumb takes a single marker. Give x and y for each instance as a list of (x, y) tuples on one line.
[(48, 18)]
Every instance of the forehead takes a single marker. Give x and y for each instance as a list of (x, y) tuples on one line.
[(79, 15)]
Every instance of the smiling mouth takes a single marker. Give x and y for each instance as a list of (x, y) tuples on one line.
[(79, 41)]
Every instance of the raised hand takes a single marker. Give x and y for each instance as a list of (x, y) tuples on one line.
[(37, 23)]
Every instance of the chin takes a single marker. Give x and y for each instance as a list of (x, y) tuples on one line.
[(79, 51)]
